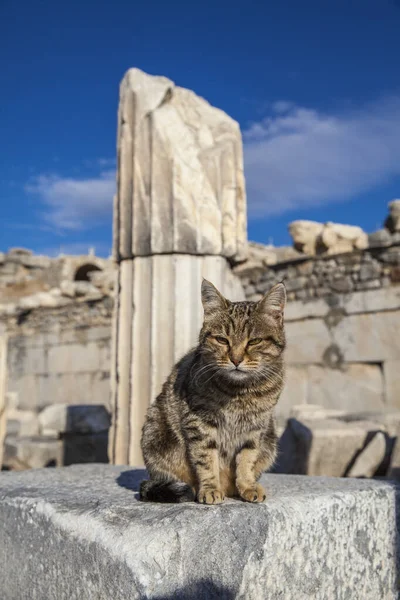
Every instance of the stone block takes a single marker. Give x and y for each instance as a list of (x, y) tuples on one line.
[(75, 358), (80, 533), (368, 337), (84, 334), (322, 446), (315, 411), (306, 341), (36, 262), (372, 301), (343, 285), (33, 452), (22, 422), (71, 389), (180, 164), (294, 391), (359, 387), (370, 271), (391, 373), (26, 389), (58, 419), (368, 461), (297, 283), (379, 238)]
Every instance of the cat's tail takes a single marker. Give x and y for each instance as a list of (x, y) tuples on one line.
[(166, 490)]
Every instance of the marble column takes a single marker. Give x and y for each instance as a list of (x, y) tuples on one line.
[(179, 215)]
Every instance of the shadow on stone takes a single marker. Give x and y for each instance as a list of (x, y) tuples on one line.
[(293, 450), (85, 436), (131, 479), (200, 590)]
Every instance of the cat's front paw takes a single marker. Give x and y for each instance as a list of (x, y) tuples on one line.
[(210, 496), (254, 493)]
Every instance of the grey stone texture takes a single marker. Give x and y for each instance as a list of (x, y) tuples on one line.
[(331, 446), (79, 533), (61, 358)]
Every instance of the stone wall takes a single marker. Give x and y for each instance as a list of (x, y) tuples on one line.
[(309, 277), (57, 317), (342, 320)]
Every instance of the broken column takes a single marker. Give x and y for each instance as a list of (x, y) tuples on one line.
[(179, 215)]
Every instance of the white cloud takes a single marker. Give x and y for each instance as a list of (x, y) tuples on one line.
[(301, 157), (75, 204)]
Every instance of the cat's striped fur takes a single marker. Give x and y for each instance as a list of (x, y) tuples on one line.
[(211, 431)]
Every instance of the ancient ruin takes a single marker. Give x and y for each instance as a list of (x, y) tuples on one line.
[(85, 344), (58, 349)]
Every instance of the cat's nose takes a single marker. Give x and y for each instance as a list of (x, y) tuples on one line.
[(236, 361)]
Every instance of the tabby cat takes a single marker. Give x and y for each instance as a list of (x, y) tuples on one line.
[(211, 431)]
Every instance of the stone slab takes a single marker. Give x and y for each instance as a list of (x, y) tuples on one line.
[(78, 533), (323, 446), (356, 387), (368, 301)]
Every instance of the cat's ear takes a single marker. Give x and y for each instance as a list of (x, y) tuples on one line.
[(212, 300), (274, 302)]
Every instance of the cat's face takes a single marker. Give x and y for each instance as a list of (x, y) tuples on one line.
[(242, 340)]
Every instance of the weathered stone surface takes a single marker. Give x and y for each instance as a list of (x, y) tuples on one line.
[(337, 238), (315, 411), (42, 299), (58, 419), (323, 446), (368, 337), (180, 165), (379, 238), (89, 538), (305, 235), (294, 392), (33, 452), (391, 370), (356, 387), (393, 220), (370, 458), (313, 238), (22, 422), (306, 341), (19, 252)]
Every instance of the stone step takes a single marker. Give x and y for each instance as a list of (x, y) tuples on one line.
[(79, 533)]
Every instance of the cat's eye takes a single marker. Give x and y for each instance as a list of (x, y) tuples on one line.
[(221, 340), (254, 342)]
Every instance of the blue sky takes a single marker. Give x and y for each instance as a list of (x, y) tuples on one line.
[(315, 86)]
